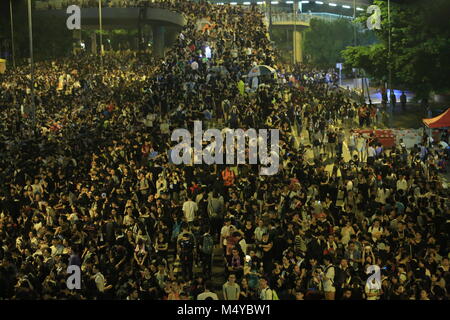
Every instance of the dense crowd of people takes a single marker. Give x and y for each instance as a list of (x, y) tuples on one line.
[(87, 180)]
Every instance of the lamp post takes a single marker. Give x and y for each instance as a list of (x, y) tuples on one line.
[(101, 33), (12, 34), (295, 29), (30, 28), (389, 51), (354, 23)]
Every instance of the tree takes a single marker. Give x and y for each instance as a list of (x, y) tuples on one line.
[(325, 40), (420, 46), (51, 38)]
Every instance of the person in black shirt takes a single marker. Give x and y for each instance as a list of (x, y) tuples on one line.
[(186, 254)]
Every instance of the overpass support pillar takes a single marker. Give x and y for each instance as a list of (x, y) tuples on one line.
[(158, 41), (297, 45), (94, 43)]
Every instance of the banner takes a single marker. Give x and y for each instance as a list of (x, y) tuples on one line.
[(410, 136), (2, 65)]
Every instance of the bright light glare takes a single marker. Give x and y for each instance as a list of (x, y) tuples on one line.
[(332, 4), (346, 7), (319, 2), (360, 9)]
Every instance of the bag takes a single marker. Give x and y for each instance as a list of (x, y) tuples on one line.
[(186, 249), (208, 244), (274, 295)]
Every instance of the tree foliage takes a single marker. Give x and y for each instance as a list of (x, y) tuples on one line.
[(420, 46), (51, 38), (325, 40)]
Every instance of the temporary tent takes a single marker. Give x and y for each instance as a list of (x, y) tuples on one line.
[(441, 121)]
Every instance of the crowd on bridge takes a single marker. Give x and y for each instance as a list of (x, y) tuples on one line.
[(86, 180)]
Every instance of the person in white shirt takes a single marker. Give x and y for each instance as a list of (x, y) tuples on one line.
[(260, 230), (361, 147), (100, 280), (328, 279), (376, 230), (382, 194), (351, 142), (266, 292), (373, 289), (190, 208), (402, 184), (349, 186), (241, 241), (207, 294), (231, 289)]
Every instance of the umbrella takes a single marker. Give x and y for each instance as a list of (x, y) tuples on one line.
[(260, 71)]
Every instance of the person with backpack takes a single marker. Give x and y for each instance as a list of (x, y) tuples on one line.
[(266, 292), (186, 247), (206, 249), (176, 229), (215, 211), (328, 279)]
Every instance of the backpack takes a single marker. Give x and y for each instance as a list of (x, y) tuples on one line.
[(274, 295), (208, 244), (186, 248)]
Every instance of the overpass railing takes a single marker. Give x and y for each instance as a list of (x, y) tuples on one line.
[(304, 17), (285, 16), (62, 4)]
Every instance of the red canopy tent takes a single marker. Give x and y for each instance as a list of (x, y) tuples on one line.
[(441, 121)]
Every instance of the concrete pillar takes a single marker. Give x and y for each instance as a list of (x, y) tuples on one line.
[(94, 43), (158, 41), (298, 52), (171, 35)]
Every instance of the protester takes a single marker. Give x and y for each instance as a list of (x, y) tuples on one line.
[(88, 181)]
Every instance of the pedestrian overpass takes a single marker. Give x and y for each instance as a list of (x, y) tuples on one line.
[(298, 23), (160, 20)]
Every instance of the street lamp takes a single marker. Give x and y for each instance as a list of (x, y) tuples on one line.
[(295, 24), (30, 27), (101, 33), (12, 34), (389, 50)]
